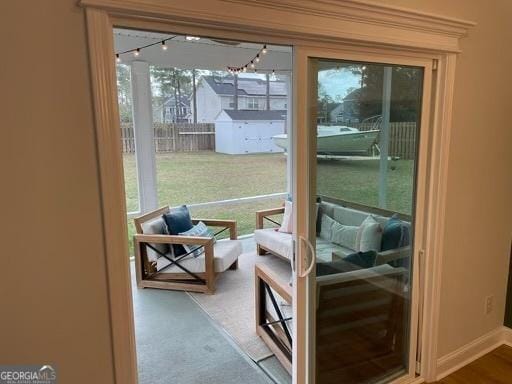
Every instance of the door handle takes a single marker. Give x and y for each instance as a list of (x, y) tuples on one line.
[(301, 271)]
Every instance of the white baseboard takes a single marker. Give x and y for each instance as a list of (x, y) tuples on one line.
[(507, 336), (472, 351)]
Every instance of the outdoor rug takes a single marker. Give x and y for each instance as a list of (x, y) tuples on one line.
[(232, 305)]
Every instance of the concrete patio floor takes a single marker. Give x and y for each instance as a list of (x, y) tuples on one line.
[(177, 342)]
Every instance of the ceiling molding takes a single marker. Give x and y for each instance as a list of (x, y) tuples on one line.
[(352, 21), (370, 13)]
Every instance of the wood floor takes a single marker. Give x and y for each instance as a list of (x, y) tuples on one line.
[(493, 368)]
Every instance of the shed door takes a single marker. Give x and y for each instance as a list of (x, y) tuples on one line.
[(251, 138)]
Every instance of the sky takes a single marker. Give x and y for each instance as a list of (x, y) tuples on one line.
[(334, 81), (338, 81)]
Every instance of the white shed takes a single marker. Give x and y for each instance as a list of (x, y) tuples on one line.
[(242, 131)]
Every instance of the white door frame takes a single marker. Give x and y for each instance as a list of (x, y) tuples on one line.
[(304, 192), (353, 24)]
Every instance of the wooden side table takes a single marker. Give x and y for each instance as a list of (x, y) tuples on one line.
[(271, 324)]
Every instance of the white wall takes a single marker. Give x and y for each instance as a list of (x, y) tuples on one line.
[(225, 101), (479, 208), (54, 259), (276, 102), (242, 137), (208, 103), (53, 290)]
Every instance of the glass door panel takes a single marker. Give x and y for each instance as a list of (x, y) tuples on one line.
[(367, 134)]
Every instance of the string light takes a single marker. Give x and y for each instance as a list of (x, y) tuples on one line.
[(251, 64), (232, 70), (137, 51)]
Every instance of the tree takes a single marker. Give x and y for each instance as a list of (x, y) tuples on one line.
[(171, 82), (405, 92), (124, 93)]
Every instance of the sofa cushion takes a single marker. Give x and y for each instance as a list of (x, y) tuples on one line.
[(156, 227), (362, 259), (287, 225), (344, 235), (395, 234), (275, 241), (326, 249), (369, 235), (225, 254), (330, 268), (348, 216), (200, 230), (178, 220)]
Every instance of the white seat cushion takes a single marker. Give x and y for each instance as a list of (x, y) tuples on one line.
[(225, 253), (278, 242), (325, 250), (281, 243)]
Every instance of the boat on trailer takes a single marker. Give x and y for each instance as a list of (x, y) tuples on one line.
[(337, 140)]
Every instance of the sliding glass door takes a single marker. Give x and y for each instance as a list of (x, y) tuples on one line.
[(362, 121)]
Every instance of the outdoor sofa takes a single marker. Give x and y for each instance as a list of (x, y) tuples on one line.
[(270, 240), (358, 331)]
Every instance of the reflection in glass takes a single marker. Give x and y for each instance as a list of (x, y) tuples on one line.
[(367, 138)]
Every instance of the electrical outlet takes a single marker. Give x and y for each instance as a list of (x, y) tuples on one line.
[(489, 304)]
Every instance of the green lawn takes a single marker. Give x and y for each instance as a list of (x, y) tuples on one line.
[(199, 177)]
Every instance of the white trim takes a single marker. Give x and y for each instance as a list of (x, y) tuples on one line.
[(133, 214), (361, 26), (472, 351), (352, 21), (113, 205), (507, 336), (239, 200), (434, 233), (369, 12)]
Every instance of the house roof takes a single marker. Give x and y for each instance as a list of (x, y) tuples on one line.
[(354, 95), (246, 86), (184, 101), (256, 115), (333, 106)]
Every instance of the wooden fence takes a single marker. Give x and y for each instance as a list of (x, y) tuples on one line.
[(402, 138), (188, 137), (174, 137)]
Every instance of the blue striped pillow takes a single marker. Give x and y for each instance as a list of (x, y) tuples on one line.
[(200, 230)]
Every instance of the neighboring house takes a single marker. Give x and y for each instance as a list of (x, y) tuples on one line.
[(351, 107), (241, 132), (336, 113), (166, 112), (215, 94), (348, 111)]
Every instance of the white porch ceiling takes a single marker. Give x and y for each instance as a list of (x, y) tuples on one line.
[(202, 54)]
